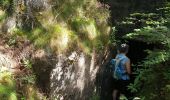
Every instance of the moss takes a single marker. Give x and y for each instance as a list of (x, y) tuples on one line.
[(67, 25), (3, 15), (7, 86)]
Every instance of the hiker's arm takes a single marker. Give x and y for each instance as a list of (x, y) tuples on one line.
[(128, 67)]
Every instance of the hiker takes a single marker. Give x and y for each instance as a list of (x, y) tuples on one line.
[(121, 73)]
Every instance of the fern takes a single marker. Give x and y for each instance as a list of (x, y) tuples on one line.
[(153, 72)]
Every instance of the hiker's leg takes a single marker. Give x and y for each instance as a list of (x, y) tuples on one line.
[(126, 91), (128, 95), (116, 94)]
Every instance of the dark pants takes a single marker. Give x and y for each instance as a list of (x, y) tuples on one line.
[(121, 87)]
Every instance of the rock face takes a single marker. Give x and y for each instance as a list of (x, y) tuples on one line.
[(73, 77), (69, 77), (71, 36), (7, 63)]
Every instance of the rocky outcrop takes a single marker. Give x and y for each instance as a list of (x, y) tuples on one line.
[(69, 77), (66, 44), (73, 77)]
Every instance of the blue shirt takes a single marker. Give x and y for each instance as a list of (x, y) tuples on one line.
[(122, 66)]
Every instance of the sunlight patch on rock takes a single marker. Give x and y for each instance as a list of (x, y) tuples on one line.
[(6, 63), (81, 72)]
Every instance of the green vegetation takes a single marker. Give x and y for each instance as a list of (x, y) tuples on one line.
[(84, 22), (82, 25), (60, 28), (95, 97), (7, 86), (151, 82)]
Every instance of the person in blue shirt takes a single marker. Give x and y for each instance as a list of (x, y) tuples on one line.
[(121, 83)]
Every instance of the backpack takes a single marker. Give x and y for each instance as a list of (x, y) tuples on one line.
[(117, 73)]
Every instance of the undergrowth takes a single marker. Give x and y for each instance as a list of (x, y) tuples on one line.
[(151, 82)]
